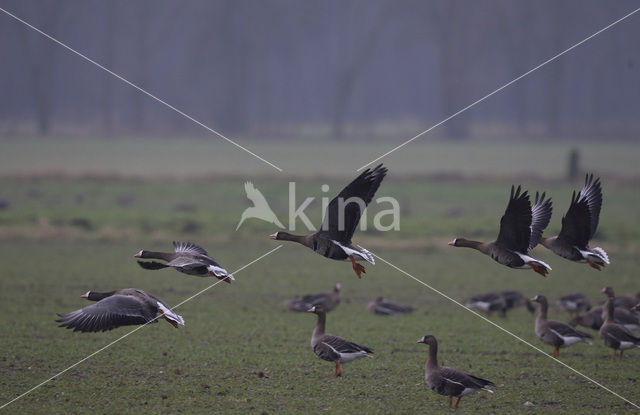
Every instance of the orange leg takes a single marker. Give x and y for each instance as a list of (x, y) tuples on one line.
[(359, 269), (556, 352), (539, 269), (450, 401), (457, 402), (593, 264), (614, 355), (337, 372), (621, 351)]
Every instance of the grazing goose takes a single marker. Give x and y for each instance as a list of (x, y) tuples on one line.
[(333, 348), (513, 299), (612, 334), (578, 227), (385, 307), (187, 258), (520, 230), (592, 319), (575, 303), (333, 240), (488, 302), (555, 333), (447, 381), (125, 307), (327, 299)]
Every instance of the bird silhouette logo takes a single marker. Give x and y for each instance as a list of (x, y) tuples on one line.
[(260, 208)]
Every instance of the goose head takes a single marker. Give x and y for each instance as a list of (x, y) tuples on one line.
[(316, 309), (427, 339), (608, 291)]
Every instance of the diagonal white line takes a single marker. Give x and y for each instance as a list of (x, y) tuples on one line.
[(133, 331), (502, 87), (503, 329), (139, 89)]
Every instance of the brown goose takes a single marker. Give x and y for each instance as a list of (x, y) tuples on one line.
[(327, 299), (624, 317), (513, 299), (334, 348), (575, 303), (488, 302), (333, 240), (592, 319), (385, 307), (447, 381), (595, 318), (187, 258), (125, 307), (520, 230), (555, 333), (578, 227), (626, 301), (612, 334)]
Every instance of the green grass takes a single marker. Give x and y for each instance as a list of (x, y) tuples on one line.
[(61, 237)]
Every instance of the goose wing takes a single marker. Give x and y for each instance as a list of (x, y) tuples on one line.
[(540, 217), (592, 194), (463, 379), (109, 313), (620, 333), (576, 223), (340, 220), (564, 330), (515, 224), (341, 345), (188, 248)]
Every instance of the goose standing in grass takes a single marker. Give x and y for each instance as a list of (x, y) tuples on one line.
[(578, 227), (592, 319), (575, 303), (514, 299), (125, 307), (333, 240), (624, 317), (385, 307), (187, 258), (555, 333), (613, 335), (334, 348), (327, 299), (447, 381), (521, 228), (626, 301), (488, 302)]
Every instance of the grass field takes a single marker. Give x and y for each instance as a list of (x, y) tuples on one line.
[(239, 352)]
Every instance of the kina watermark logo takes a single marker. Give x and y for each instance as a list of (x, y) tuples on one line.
[(387, 219)]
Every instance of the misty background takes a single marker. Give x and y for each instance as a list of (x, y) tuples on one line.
[(368, 69)]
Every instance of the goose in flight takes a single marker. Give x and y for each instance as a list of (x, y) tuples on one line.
[(520, 231), (187, 258), (333, 240), (578, 227), (125, 307)]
